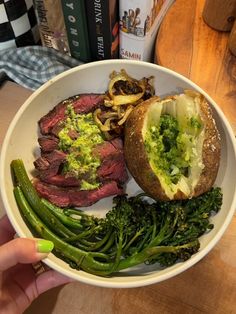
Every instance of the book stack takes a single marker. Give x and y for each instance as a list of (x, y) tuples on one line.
[(93, 30)]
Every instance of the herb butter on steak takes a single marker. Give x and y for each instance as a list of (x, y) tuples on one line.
[(77, 166)]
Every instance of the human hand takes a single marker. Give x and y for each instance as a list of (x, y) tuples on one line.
[(19, 283)]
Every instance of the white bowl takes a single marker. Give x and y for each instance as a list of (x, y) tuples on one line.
[(21, 142)]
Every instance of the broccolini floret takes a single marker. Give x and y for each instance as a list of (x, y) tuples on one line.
[(136, 230)]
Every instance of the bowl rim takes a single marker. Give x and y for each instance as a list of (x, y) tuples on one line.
[(96, 280)]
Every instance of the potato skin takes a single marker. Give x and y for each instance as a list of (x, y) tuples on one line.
[(137, 159), (211, 150), (135, 154)]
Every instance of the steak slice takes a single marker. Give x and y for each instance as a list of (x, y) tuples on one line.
[(60, 180), (113, 162), (48, 143), (109, 149), (113, 169), (112, 166), (83, 103), (110, 170), (64, 197), (117, 143), (48, 164)]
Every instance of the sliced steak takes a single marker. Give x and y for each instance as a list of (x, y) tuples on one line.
[(63, 189), (110, 170), (61, 180), (48, 164), (113, 169), (74, 197), (48, 143), (57, 128), (112, 166), (41, 164), (117, 143), (109, 149), (83, 103), (55, 156), (113, 162)]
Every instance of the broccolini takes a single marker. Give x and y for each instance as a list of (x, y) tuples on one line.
[(136, 230)]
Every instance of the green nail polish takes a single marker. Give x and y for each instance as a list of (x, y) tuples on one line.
[(44, 246)]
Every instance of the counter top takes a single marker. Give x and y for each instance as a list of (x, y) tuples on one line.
[(186, 44), (207, 287)]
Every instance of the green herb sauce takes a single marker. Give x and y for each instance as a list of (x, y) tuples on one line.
[(170, 147), (81, 161)]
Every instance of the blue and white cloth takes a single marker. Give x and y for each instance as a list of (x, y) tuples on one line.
[(22, 59), (32, 66)]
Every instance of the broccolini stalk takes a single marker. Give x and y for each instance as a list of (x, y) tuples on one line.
[(153, 252), (133, 232), (58, 212), (83, 260)]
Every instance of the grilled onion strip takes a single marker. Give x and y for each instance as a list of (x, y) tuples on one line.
[(124, 93)]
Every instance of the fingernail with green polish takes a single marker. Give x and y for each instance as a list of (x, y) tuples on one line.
[(44, 246)]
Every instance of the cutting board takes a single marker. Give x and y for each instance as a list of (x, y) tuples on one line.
[(186, 44)]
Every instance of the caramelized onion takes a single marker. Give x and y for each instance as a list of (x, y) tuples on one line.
[(124, 93)]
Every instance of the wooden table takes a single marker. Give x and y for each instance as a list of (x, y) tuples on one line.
[(187, 45), (207, 287)]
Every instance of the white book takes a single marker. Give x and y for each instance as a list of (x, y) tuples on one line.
[(139, 24)]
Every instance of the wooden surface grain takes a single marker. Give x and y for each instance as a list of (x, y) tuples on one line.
[(189, 46), (219, 14), (207, 287)]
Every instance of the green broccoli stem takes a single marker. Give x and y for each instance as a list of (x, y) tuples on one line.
[(58, 212), (105, 246), (98, 241), (154, 225), (144, 256), (109, 243), (163, 234), (92, 246), (135, 237), (85, 234), (84, 260), (151, 252), (144, 240), (118, 252), (70, 212)]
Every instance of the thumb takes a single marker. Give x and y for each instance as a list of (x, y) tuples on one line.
[(23, 250)]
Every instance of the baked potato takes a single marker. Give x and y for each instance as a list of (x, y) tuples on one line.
[(172, 146)]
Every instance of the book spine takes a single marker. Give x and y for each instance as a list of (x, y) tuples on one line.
[(76, 27), (103, 28), (139, 25), (51, 24)]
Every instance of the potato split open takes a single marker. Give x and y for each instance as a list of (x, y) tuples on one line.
[(172, 146)]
